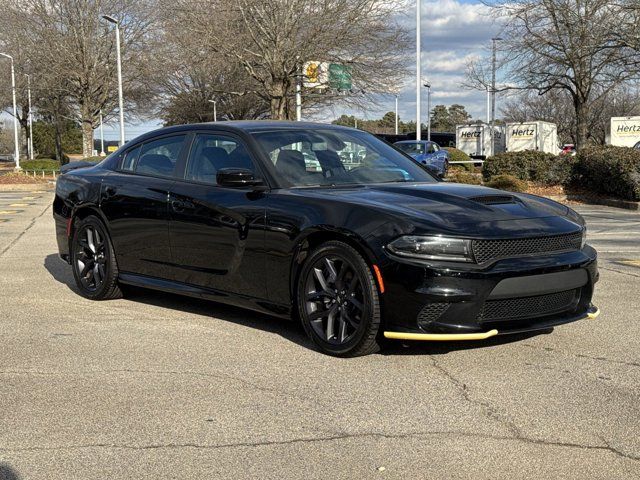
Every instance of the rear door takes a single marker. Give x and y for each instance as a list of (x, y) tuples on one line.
[(217, 233), (134, 199)]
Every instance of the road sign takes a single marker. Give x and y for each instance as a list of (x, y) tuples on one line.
[(340, 76), (315, 74)]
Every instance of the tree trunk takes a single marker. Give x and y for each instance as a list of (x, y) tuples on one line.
[(87, 137), (60, 157), (582, 121)]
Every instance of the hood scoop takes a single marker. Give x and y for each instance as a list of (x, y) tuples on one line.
[(493, 199)]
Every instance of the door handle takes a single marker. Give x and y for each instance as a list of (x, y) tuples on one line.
[(181, 205)]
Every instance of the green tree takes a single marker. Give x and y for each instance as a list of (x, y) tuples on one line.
[(445, 119)]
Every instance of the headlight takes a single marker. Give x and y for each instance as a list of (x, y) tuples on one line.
[(433, 248), (584, 237)]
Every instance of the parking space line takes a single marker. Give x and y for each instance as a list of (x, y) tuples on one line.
[(9, 212), (20, 204)]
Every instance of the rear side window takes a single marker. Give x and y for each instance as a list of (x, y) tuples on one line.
[(159, 157), (130, 158)]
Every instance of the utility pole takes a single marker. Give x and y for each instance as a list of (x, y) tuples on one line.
[(396, 114), (428, 85), (30, 121), (418, 71), (111, 19), (215, 110), (16, 153), (493, 91), (102, 154)]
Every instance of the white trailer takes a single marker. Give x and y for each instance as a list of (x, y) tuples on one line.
[(540, 136), (625, 131), (475, 140)]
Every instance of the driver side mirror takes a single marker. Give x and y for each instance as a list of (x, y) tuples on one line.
[(238, 177)]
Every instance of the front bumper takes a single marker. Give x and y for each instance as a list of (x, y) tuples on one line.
[(443, 301)]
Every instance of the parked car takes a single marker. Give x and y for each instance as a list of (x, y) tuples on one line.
[(230, 212), (428, 153), (637, 146), (568, 149)]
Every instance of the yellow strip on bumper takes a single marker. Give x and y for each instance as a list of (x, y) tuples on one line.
[(452, 337), (443, 337)]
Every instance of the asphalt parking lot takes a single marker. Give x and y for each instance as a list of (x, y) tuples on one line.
[(159, 386)]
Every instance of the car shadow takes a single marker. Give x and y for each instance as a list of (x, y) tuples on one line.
[(8, 473), (287, 329)]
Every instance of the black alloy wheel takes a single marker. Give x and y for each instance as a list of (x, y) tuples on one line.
[(93, 261), (338, 301)]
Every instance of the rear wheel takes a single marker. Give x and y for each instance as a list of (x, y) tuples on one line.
[(338, 301), (93, 261)]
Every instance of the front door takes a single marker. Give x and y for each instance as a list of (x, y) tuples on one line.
[(217, 233)]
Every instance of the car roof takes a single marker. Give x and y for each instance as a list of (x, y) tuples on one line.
[(415, 141), (249, 126)]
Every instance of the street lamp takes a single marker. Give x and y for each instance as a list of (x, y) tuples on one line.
[(30, 141), (215, 112), (493, 91), (428, 85), (418, 71), (396, 114), (110, 19), (102, 154), (16, 155)]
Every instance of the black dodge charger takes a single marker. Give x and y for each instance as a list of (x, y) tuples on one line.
[(325, 224)]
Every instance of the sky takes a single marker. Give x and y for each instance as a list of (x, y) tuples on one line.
[(453, 33)]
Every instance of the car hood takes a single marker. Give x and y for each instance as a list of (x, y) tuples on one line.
[(460, 208)]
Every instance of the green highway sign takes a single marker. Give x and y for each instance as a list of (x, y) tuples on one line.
[(340, 76)]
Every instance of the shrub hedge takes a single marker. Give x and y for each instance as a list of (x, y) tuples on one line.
[(459, 175), (456, 155), (609, 170), (507, 182), (40, 164), (539, 167)]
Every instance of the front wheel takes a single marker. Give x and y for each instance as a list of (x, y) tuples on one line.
[(93, 261), (338, 301)]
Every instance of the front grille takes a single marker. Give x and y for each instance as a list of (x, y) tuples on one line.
[(493, 199), (488, 250), (431, 312), (529, 307)]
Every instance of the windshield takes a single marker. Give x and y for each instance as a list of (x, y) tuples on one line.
[(337, 157), (411, 148)]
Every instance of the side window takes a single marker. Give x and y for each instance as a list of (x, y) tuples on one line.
[(431, 148), (212, 152), (130, 157), (159, 157)]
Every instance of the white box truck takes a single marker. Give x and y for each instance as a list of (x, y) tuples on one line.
[(475, 140), (625, 131), (540, 136)]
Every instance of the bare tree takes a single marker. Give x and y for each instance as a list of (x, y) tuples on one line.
[(72, 52), (582, 47), (270, 39)]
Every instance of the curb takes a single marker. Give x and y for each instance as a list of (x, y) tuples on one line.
[(27, 187), (609, 202)]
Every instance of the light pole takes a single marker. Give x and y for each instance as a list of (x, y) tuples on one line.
[(215, 111), (428, 85), (16, 154), (396, 114), (110, 19), (102, 154), (493, 91), (418, 71), (30, 140)]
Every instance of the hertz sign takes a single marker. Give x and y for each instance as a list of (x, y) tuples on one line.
[(625, 131)]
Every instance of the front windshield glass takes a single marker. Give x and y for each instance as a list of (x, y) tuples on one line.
[(337, 157), (411, 148)]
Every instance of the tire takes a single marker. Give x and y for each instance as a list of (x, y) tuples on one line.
[(93, 261), (337, 301)]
